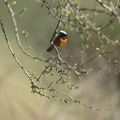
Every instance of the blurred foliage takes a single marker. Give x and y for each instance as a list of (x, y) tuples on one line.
[(94, 46)]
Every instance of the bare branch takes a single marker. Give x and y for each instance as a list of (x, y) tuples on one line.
[(63, 62), (110, 8), (14, 56), (52, 12), (12, 14), (56, 29), (115, 11)]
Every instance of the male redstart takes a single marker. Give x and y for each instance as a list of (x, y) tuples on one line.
[(60, 40)]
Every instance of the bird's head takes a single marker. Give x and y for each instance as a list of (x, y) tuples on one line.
[(63, 33)]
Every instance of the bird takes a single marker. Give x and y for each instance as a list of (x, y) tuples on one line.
[(60, 40)]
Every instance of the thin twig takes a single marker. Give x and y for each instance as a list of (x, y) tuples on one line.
[(115, 11), (13, 54), (56, 29), (45, 2), (78, 101), (110, 8), (105, 6), (63, 62), (12, 14)]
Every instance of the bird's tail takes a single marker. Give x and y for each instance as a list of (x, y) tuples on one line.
[(50, 48)]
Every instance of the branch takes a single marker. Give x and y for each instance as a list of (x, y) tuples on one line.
[(115, 11), (65, 63), (45, 2), (111, 9), (14, 56), (56, 29), (12, 14)]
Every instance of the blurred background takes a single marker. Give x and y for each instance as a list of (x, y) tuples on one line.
[(100, 88)]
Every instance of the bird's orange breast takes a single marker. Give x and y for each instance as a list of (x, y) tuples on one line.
[(63, 42)]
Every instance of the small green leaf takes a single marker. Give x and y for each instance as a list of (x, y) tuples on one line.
[(25, 33)]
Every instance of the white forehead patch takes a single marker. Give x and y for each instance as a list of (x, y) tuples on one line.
[(62, 31)]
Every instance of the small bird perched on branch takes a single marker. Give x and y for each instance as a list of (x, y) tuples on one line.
[(60, 40)]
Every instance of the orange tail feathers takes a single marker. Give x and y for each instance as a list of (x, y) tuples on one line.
[(50, 48)]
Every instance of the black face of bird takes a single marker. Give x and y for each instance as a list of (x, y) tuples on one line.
[(62, 34)]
